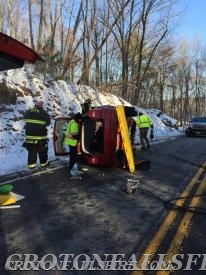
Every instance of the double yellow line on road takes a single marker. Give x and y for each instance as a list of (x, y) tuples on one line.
[(169, 219)]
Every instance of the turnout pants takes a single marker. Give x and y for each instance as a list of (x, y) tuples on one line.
[(37, 149), (143, 137)]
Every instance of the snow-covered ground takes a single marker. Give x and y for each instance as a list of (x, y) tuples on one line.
[(60, 99)]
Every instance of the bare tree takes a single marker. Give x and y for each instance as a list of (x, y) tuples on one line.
[(3, 14), (148, 38), (123, 34), (69, 48), (199, 63), (107, 34), (163, 65)]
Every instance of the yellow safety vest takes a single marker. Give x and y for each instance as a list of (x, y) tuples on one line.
[(72, 129), (144, 122)]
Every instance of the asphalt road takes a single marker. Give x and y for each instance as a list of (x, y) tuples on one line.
[(95, 215)]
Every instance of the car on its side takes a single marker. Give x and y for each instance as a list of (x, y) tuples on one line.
[(196, 127)]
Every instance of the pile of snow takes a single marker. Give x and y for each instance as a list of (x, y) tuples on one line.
[(167, 120), (60, 100), (161, 124)]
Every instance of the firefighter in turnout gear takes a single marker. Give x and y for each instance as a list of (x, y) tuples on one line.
[(143, 123), (72, 137), (36, 142)]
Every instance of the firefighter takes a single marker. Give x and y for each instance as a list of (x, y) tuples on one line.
[(37, 120), (144, 122), (72, 137)]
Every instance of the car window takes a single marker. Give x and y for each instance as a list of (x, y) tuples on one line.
[(199, 119)]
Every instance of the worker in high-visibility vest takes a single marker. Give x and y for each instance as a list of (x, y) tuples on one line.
[(72, 137), (37, 120), (144, 122)]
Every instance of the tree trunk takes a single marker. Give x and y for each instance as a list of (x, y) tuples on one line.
[(40, 30), (31, 25), (161, 89)]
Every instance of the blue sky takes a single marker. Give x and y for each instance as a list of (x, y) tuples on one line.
[(193, 21)]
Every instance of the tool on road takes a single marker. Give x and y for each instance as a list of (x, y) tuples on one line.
[(132, 185)]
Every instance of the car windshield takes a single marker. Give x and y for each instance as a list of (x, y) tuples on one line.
[(199, 119)]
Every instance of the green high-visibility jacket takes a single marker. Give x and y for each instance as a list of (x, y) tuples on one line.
[(144, 121), (71, 133)]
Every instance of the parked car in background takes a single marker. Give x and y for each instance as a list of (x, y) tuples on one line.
[(196, 127)]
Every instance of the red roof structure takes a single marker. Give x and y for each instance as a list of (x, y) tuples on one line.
[(13, 53)]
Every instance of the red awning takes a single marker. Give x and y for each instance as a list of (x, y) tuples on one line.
[(13, 53)]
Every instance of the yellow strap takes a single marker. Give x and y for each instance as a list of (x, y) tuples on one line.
[(35, 121), (36, 137)]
